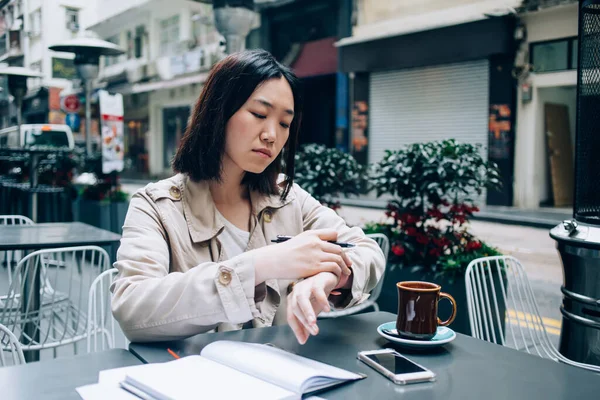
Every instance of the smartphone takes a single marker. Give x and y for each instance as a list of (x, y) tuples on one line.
[(395, 366)]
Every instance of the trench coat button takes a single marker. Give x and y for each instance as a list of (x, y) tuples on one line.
[(225, 278), (175, 192), (267, 216)]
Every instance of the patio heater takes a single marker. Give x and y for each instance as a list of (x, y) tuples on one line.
[(17, 86), (88, 48), (578, 240), (234, 19)]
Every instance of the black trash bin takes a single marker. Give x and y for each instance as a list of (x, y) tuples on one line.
[(578, 240)]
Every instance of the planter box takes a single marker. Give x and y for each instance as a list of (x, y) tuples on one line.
[(388, 300), (104, 215)]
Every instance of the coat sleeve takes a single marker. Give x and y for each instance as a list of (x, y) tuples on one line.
[(367, 257), (152, 304)]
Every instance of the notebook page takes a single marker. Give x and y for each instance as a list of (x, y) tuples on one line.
[(196, 377), (274, 365)]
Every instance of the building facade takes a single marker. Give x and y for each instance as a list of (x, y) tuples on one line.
[(428, 70), (547, 103), (170, 47), (27, 28)]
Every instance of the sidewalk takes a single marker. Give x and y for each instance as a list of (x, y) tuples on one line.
[(545, 218)]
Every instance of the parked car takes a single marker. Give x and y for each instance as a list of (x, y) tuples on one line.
[(37, 135)]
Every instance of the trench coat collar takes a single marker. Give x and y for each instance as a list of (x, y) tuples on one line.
[(200, 211)]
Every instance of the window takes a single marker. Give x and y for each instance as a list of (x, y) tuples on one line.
[(36, 22), (112, 60), (129, 45), (555, 55), (169, 35), (139, 41), (575, 53), (72, 19)]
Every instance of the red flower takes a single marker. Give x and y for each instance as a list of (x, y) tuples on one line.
[(435, 252), (398, 250), (473, 245), (422, 239), (441, 242), (409, 218), (412, 219), (411, 231), (435, 213)]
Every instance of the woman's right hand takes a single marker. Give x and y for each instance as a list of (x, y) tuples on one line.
[(304, 255)]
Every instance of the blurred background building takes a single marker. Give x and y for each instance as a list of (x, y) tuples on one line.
[(378, 74)]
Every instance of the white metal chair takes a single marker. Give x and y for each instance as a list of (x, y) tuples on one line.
[(384, 243), (11, 352), (11, 257), (61, 318), (103, 332), (521, 327)]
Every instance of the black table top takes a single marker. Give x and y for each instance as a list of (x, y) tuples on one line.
[(466, 368), (58, 378), (52, 235)]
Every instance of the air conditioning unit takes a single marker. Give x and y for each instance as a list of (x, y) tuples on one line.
[(73, 27)]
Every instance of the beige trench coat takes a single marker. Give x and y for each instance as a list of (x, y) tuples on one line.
[(175, 280)]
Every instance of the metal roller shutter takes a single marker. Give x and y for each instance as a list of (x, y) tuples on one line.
[(431, 103)]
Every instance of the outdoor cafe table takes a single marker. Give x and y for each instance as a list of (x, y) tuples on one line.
[(48, 236), (466, 368), (58, 378)]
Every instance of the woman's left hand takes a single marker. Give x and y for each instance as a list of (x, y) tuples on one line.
[(306, 301)]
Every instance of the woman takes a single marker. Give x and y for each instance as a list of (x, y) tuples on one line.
[(196, 252)]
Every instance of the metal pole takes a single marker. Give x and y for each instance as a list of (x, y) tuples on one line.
[(19, 117), (88, 117)]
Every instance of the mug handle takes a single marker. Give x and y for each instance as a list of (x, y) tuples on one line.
[(453, 315)]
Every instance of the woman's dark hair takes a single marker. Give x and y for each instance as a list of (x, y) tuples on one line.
[(228, 86)]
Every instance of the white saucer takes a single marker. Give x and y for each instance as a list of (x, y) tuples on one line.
[(443, 335)]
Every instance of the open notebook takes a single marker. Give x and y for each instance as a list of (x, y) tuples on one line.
[(226, 369)]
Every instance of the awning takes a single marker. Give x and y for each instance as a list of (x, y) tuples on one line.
[(432, 20), (161, 85), (318, 57), (469, 41)]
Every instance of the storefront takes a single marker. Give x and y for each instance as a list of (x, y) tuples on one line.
[(450, 82), (547, 105)]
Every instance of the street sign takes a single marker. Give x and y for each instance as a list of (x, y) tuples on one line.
[(73, 121), (71, 103)]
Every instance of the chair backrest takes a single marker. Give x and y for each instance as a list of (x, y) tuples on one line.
[(103, 331), (62, 278), (502, 306), (384, 243), (11, 352), (11, 257), (500, 283)]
